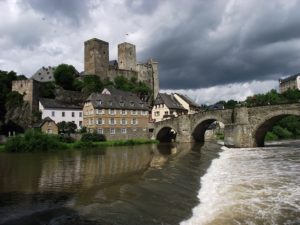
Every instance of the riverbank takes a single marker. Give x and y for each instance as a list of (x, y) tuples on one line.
[(38, 142)]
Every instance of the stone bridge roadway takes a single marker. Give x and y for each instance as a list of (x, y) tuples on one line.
[(244, 127)]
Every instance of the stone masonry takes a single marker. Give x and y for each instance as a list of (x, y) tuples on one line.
[(96, 61), (244, 127)]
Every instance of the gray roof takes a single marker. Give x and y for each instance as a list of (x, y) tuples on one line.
[(125, 100), (188, 100), (169, 100), (55, 104), (293, 77), (40, 123), (44, 74)]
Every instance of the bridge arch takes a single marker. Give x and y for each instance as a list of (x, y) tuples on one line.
[(200, 127), (166, 134), (265, 124)]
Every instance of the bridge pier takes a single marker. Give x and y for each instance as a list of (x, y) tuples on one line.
[(238, 136)]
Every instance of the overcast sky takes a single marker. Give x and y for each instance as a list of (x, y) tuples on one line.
[(208, 49)]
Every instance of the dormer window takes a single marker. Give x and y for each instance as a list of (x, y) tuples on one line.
[(99, 102), (142, 104), (110, 103), (131, 103), (122, 103)]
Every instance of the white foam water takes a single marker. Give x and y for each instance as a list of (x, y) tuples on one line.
[(250, 186)]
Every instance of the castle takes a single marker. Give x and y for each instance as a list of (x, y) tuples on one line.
[(96, 61)]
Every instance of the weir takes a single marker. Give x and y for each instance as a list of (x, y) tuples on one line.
[(244, 127)]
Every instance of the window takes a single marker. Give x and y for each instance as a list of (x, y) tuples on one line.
[(100, 111), (134, 121), (123, 121), (166, 112), (112, 131), (100, 121), (145, 113), (99, 102), (110, 103), (133, 129), (122, 103), (156, 113), (100, 131), (123, 112), (80, 114), (63, 114), (144, 129), (112, 121), (123, 131), (131, 103), (112, 112), (80, 123), (53, 113), (133, 112), (91, 121), (73, 114)]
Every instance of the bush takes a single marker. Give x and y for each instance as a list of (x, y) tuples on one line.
[(270, 136), (92, 137), (282, 133), (33, 141), (66, 139)]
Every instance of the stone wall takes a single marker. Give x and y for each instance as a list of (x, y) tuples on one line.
[(244, 127), (96, 57), (30, 91)]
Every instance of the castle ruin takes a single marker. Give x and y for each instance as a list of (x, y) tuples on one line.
[(96, 61)]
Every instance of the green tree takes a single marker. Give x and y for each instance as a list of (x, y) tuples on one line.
[(13, 99), (65, 76), (91, 83), (66, 127), (47, 90)]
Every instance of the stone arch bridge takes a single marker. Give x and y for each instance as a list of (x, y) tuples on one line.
[(244, 127)]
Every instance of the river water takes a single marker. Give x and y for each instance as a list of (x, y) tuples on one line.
[(153, 184)]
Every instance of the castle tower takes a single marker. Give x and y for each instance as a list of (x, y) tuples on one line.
[(96, 57), (126, 56)]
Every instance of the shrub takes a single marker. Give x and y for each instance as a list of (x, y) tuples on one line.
[(270, 136), (282, 132), (66, 139), (92, 137), (33, 141)]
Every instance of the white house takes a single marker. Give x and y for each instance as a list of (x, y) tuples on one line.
[(165, 107), (187, 103), (61, 111)]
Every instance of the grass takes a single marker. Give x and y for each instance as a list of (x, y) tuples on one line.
[(2, 148), (89, 144)]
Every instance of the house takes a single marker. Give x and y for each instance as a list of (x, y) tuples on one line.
[(60, 111), (166, 106), (116, 114), (47, 126), (187, 103), (291, 82)]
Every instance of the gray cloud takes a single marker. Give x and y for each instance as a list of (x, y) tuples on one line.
[(229, 47), (197, 43), (75, 10)]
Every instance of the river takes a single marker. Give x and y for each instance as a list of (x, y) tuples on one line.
[(153, 184)]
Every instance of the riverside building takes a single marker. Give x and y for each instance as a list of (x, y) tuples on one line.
[(118, 115)]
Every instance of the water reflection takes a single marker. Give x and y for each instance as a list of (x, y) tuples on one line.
[(96, 183)]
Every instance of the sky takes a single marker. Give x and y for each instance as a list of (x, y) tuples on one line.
[(208, 49)]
